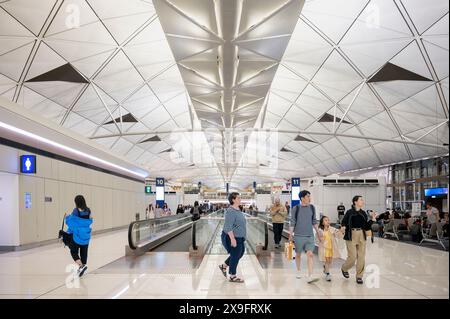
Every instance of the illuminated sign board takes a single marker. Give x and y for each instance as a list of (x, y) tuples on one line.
[(28, 164), (160, 191), (295, 190)]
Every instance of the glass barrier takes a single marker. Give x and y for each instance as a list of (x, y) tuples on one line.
[(208, 232), (142, 232)]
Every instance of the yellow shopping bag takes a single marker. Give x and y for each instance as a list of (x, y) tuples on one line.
[(289, 250)]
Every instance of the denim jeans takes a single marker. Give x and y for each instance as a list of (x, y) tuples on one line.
[(236, 253)]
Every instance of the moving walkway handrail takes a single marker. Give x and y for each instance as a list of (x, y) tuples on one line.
[(155, 221), (266, 231)]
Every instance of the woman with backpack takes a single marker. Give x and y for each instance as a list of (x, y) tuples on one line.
[(79, 226)]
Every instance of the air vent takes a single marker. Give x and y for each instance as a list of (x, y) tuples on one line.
[(392, 72), (343, 181), (328, 118), (155, 138), (357, 181), (125, 119), (372, 181)]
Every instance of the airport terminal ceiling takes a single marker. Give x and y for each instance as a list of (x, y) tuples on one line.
[(236, 90)]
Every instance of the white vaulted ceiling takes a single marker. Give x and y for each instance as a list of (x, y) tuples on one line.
[(343, 84)]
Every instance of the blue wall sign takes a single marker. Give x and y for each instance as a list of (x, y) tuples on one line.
[(28, 164)]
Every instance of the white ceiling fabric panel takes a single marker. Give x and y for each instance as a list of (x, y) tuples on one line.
[(128, 73)]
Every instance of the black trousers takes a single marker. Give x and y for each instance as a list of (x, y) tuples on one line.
[(278, 232), (79, 252)]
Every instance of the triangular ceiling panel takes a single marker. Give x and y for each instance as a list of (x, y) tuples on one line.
[(32, 14), (12, 63), (392, 72), (64, 73)]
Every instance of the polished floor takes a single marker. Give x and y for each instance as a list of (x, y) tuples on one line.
[(395, 270)]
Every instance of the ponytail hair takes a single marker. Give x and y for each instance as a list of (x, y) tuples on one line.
[(355, 199)]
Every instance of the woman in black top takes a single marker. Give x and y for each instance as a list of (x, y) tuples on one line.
[(355, 224), (180, 209)]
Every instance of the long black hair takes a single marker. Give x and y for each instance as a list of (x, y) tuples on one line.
[(321, 225), (355, 199), (80, 203)]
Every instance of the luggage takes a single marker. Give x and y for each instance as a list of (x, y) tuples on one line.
[(289, 250)]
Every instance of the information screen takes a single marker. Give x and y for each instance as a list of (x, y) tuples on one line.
[(160, 191), (295, 190)]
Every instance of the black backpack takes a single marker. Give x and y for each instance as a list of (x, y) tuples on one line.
[(296, 208)]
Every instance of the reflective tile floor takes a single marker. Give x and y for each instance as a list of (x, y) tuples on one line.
[(394, 271)]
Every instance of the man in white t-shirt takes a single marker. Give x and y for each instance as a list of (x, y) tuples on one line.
[(432, 218)]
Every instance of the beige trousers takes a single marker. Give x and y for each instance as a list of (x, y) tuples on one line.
[(356, 250)]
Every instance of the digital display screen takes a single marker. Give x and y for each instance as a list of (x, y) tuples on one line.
[(436, 192), (160, 190), (295, 192), (28, 164), (159, 193)]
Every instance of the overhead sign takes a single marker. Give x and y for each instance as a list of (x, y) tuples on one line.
[(295, 190), (160, 191), (148, 189), (28, 164)]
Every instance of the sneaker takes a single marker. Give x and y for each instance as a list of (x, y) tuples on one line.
[(299, 275), (359, 281), (82, 270), (311, 279), (328, 277)]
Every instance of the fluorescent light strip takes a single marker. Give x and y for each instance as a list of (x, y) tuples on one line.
[(69, 149)]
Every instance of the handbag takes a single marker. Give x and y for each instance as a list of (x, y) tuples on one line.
[(289, 250), (64, 236)]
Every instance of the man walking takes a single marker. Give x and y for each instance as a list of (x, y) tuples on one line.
[(303, 221), (279, 214)]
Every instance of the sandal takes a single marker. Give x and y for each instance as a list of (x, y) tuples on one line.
[(345, 274), (223, 270), (236, 280)]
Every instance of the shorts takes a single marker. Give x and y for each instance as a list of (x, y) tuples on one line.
[(304, 244)]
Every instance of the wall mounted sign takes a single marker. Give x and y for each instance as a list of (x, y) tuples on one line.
[(160, 190), (28, 164), (295, 190), (27, 200)]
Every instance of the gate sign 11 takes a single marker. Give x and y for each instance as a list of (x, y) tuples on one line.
[(295, 190)]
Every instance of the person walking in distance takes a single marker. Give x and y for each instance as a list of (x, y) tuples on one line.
[(303, 221), (279, 214), (79, 225), (354, 225), (233, 237)]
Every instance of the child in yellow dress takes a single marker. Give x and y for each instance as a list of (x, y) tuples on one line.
[(328, 248)]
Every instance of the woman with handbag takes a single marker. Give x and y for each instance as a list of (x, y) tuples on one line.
[(355, 226), (79, 226)]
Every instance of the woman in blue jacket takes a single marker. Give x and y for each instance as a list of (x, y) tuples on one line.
[(79, 225)]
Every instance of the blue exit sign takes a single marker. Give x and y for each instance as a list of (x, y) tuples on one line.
[(28, 164)]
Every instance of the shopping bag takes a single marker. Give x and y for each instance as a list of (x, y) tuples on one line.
[(289, 250)]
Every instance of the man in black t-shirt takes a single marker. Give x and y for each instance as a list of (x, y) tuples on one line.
[(341, 211)]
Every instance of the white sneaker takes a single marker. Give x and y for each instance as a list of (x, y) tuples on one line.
[(311, 279), (328, 277), (81, 271), (299, 275)]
